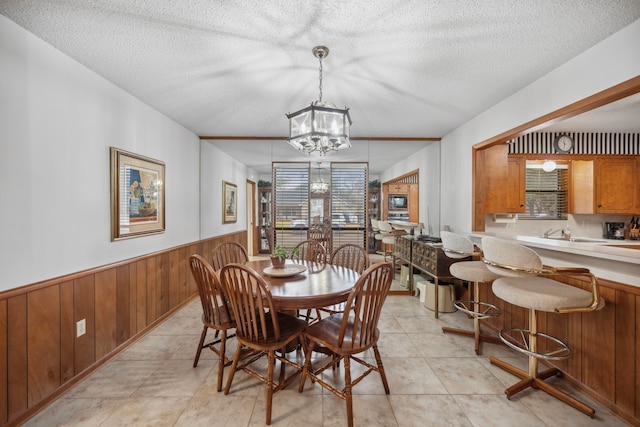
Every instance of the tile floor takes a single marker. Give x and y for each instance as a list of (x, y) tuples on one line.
[(435, 379)]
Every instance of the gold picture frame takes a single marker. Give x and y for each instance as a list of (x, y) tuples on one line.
[(137, 195), (229, 202)]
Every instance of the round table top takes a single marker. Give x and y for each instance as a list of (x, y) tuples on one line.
[(318, 286)]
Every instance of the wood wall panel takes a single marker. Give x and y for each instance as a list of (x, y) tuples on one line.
[(84, 308), (141, 295), (119, 304), (152, 289), (17, 355), (165, 279), (67, 332), (3, 362), (637, 357), (624, 353), (105, 312), (43, 343), (123, 302), (599, 333), (174, 277)]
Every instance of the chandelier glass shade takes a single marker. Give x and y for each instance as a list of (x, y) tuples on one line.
[(319, 186), (321, 126)]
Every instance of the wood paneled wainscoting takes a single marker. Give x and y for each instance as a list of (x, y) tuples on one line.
[(606, 344), (40, 356)]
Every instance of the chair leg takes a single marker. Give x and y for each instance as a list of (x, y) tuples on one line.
[(348, 397), (383, 376), (537, 380), (234, 365), (476, 334), (221, 359), (203, 335), (307, 364), (270, 367)]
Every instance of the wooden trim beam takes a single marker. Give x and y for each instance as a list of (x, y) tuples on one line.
[(280, 138), (589, 103)]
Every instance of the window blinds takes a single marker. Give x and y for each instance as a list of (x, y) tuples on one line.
[(546, 194)]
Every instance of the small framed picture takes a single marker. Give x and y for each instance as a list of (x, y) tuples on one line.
[(229, 202), (137, 195)]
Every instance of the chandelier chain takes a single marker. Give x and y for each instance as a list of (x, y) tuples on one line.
[(320, 59)]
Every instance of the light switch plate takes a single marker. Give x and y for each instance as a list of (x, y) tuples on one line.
[(81, 328)]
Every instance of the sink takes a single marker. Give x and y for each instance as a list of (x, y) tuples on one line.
[(576, 239)]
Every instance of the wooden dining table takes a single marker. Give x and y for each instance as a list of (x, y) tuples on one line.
[(320, 285)]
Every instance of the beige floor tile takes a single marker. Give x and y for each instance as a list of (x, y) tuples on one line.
[(434, 379), (147, 411), (428, 411), (465, 376)]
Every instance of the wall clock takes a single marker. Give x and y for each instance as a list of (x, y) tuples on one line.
[(563, 143)]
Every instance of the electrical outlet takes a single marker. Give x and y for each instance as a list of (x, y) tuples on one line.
[(81, 328)]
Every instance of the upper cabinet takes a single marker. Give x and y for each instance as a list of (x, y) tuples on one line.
[(616, 183), (606, 185), (500, 181)]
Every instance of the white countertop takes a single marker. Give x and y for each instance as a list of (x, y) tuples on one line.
[(607, 259)]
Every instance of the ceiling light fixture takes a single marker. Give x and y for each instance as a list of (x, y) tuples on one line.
[(549, 166), (319, 186), (321, 126)]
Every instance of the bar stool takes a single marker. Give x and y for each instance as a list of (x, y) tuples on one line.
[(525, 284), (459, 247)]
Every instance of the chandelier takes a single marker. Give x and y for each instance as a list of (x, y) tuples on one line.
[(321, 126), (319, 186)]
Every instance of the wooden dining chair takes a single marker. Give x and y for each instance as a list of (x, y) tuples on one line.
[(350, 256), (310, 250), (349, 333), (259, 327), (226, 253), (216, 314)]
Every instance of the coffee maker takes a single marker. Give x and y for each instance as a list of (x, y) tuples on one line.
[(614, 230)]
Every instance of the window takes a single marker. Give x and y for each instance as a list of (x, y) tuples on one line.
[(546, 192), (344, 205), (348, 203), (291, 203)]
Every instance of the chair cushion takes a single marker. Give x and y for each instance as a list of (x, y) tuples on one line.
[(539, 293), (389, 240), (472, 271)]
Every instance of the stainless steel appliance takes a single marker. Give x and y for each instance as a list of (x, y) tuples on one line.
[(614, 230)]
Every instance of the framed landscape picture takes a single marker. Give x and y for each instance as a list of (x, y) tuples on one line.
[(137, 195), (229, 202)]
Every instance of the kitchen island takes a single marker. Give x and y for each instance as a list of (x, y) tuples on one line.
[(614, 260)]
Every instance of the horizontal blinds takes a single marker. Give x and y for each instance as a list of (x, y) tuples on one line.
[(546, 194), (348, 203), (291, 203)]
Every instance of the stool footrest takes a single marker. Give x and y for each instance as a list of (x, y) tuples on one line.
[(482, 310), (516, 338)]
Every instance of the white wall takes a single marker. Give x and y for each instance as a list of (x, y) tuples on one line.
[(217, 166), (610, 62), (427, 161), (57, 122)]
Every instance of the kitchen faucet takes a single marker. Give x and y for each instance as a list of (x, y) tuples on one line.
[(548, 233)]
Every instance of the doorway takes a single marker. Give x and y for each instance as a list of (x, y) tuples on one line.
[(251, 215)]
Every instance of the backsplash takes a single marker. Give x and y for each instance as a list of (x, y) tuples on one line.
[(580, 225), (585, 143)]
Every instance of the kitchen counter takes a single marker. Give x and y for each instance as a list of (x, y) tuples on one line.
[(616, 260)]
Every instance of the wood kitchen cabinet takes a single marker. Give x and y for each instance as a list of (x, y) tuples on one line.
[(606, 185), (502, 182), (616, 181)]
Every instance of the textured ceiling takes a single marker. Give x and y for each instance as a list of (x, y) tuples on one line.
[(405, 68)]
